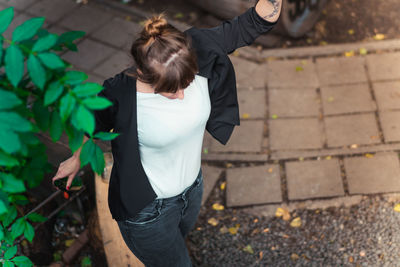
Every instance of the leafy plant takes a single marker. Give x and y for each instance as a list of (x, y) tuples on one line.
[(44, 96)]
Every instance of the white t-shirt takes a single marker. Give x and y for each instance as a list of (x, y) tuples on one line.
[(170, 133)]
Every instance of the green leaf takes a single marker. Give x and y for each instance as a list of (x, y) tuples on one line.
[(106, 136), (6, 16), (14, 64), (87, 89), (18, 199), (1, 52), (97, 102), (54, 90), (9, 216), (3, 207), (67, 104), (51, 60), (8, 99), (84, 120), (29, 232), (56, 127), (97, 161), (18, 227), (68, 37), (88, 151), (36, 217), (9, 141), (7, 160), (36, 71), (10, 252), (29, 138), (27, 29), (45, 43), (1, 233), (14, 122), (74, 77), (41, 115), (12, 184), (8, 264), (22, 261), (75, 138)]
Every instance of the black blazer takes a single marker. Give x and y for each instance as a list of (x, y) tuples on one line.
[(129, 188)]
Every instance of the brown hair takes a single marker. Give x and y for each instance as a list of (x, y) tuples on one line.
[(164, 56)]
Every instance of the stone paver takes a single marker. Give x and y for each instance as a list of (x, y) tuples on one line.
[(291, 74), (345, 130), (248, 74), (293, 103), (210, 177), (313, 179), (304, 133), (86, 18), (341, 70), (18, 4), (52, 10), (378, 174), (390, 121), (96, 79), (118, 32), (252, 103), (114, 64), (89, 55), (245, 138), (253, 185), (387, 95), (384, 66), (347, 99)]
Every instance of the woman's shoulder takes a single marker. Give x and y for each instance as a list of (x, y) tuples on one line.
[(121, 82)]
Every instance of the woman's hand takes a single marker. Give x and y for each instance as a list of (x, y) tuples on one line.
[(70, 168), (270, 10)]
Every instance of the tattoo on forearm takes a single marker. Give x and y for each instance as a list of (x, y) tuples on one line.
[(275, 4)]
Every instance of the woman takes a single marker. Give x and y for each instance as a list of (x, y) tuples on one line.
[(181, 84)]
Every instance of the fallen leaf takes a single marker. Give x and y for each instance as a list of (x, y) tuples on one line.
[(246, 115), (328, 157), (354, 146), (301, 158), (223, 230), (222, 186), (273, 248), (266, 230), (270, 170), (368, 155), (274, 116), (255, 231), (323, 43), (260, 255), (199, 228), (379, 37), (205, 150), (349, 53), (213, 221), (69, 242), (309, 41), (233, 230), (248, 249), (362, 253), (142, 23), (255, 220), (299, 68), (294, 257), (285, 236), (282, 212), (397, 207), (228, 165), (179, 15), (330, 99), (304, 62), (296, 222), (217, 206), (363, 51), (351, 259), (351, 31)]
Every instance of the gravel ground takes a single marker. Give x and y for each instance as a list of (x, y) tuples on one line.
[(366, 234)]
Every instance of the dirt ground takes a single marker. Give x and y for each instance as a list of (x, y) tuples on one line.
[(342, 21)]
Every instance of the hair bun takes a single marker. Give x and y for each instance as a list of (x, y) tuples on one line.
[(155, 25)]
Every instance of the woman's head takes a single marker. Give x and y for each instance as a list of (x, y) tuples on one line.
[(163, 56)]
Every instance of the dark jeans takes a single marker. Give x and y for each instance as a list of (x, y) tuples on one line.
[(156, 234)]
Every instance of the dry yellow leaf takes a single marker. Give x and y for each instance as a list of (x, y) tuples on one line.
[(255, 220), (304, 62), (351, 259), (69, 242), (246, 115), (270, 170), (397, 207), (379, 37), (223, 230), (296, 222), (213, 221), (363, 51), (299, 68), (222, 186), (354, 146), (282, 212), (217, 206), (309, 41), (260, 255), (368, 155), (233, 230), (351, 31), (349, 53), (274, 116), (301, 158), (330, 99), (228, 165), (266, 230), (323, 43), (328, 157), (248, 249), (199, 228), (294, 257), (273, 248)]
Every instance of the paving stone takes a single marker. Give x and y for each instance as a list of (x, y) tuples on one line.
[(341, 70), (390, 121), (114, 64), (346, 99), (304, 133), (313, 179), (248, 74), (17, 4), (291, 74), (118, 32), (379, 174), (252, 103), (384, 66), (52, 10), (245, 138), (387, 95), (86, 18), (96, 79), (345, 130), (253, 185), (210, 177), (293, 103), (89, 55)]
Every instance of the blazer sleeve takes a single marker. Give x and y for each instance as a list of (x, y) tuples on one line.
[(105, 118), (239, 31)]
